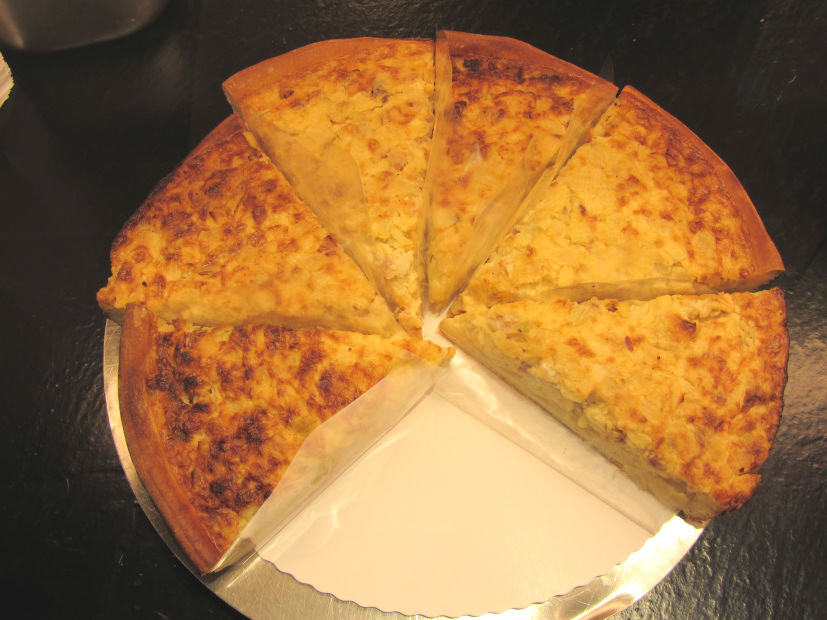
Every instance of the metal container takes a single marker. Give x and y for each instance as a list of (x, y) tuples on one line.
[(50, 25)]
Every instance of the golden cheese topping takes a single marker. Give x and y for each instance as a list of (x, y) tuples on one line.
[(680, 390), (224, 240), (365, 104), (227, 408), (642, 208), (506, 112)]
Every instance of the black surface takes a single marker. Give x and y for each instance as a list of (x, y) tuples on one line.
[(88, 132)]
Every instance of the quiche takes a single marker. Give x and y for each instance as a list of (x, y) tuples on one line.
[(506, 111), (592, 250), (213, 416), (642, 208), (683, 392), (225, 240), (349, 123)]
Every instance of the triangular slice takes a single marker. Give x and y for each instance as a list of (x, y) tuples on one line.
[(214, 416), (349, 123), (225, 240), (684, 393), (506, 111), (643, 208)]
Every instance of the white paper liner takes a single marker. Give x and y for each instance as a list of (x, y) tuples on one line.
[(332, 447), (451, 514), (6, 81), (445, 517)]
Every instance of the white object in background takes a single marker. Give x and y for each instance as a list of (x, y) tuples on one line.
[(5, 80)]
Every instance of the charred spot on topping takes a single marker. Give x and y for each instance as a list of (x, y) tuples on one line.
[(163, 380), (474, 65), (242, 338), (710, 420), (286, 92), (582, 349), (695, 225), (125, 273), (711, 474), (517, 74), (327, 384), (159, 283), (224, 373), (327, 245), (459, 108), (251, 429), (310, 359), (611, 307), (218, 487), (288, 245), (269, 186), (257, 239), (216, 183), (687, 326), (287, 414), (628, 342), (635, 415), (257, 209), (698, 195), (752, 398), (179, 433)]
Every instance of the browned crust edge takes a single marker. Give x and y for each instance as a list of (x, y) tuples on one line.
[(467, 44), (249, 81), (146, 446), (767, 263), (224, 130)]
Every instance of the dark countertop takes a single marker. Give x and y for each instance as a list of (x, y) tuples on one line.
[(88, 132)]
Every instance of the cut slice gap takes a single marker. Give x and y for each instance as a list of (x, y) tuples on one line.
[(505, 113), (642, 200)]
